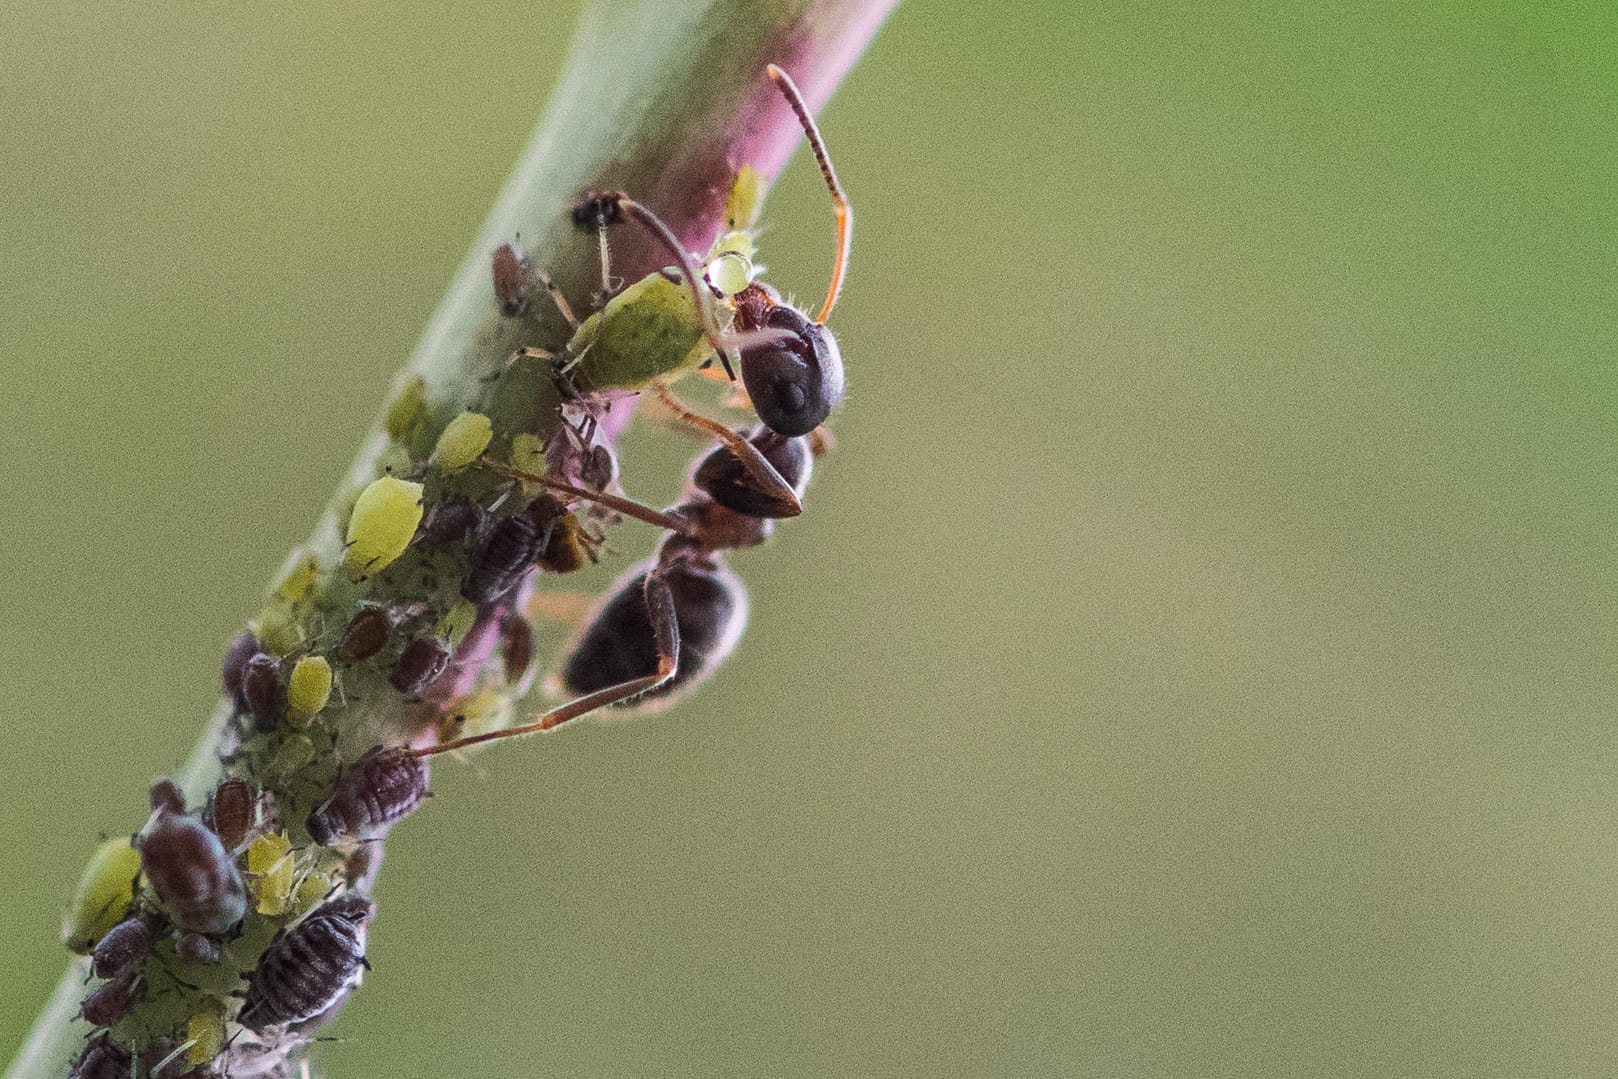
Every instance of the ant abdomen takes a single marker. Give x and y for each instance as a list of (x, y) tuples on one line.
[(724, 478), (710, 607)]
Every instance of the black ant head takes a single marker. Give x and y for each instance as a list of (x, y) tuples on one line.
[(794, 382)]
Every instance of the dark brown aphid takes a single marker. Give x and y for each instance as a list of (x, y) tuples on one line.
[(507, 551), (308, 967), (385, 785), (233, 812), (365, 635), (262, 689), (620, 645), (192, 874), (123, 949), (110, 1004), (516, 646), (724, 478), (102, 1058), (452, 520), (196, 948), (511, 279), (419, 665), (243, 647), (166, 794)]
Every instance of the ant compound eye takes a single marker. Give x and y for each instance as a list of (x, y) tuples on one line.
[(794, 384)]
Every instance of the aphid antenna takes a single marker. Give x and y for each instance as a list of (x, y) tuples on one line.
[(845, 211), (627, 507)]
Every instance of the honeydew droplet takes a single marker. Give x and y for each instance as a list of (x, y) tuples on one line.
[(407, 409), (308, 689), (103, 895), (463, 441), (384, 521), (730, 273)]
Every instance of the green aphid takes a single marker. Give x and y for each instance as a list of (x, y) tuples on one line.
[(457, 622), (103, 896), (382, 525), (463, 441), (308, 689), (407, 410)]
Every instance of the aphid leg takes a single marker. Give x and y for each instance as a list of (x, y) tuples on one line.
[(557, 298), (626, 506), (666, 637), (758, 468)]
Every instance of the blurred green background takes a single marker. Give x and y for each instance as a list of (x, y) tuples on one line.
[(1197, 659)]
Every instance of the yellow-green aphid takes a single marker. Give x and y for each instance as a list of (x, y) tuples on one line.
[(463, 441), (278, 628), (103, 896), (407, 410), (477, 713), (652, 330), (384, 521), (457, 622), (308, 689), (206, 1033), (269, 865), (528, 455), (311, 890), (297, 581)]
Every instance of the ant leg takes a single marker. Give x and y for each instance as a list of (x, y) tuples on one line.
[(626, 506), (665, 636), (557, 298), (757, 466)]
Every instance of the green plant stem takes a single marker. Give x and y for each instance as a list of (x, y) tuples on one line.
[(661, 99)]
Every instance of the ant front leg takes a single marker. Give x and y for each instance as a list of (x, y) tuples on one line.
[(665, 628), (753, 461)]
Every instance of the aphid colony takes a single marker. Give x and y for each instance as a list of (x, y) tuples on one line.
[(220, 937)]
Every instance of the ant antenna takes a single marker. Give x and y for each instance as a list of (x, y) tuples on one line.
[(688, 269), (845, 212)]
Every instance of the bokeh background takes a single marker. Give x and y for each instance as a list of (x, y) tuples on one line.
[(1197, 659)]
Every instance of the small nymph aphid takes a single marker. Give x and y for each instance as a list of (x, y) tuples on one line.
[(123, 949), (365, 635), (462, 441), (308, 689), (419, 666), (511, 278)]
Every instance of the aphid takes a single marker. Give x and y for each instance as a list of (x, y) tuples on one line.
[(124, 948), (463, 441), (517, 646), (102, 1058), (656, 331), (507, 551), (365, 635), (196, 948), (383, 523), (205, 1031), (103, 895), (511, 282), (308, 689), (266, 697), (309, 966), (108, 1005), (385, 785), (298, 578), (452, 519), (419, 665), (270, 874), (407, 411), (243, 647), (192, 874), (232, 812)]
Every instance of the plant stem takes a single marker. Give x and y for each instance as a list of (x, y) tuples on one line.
[(661, 99)]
